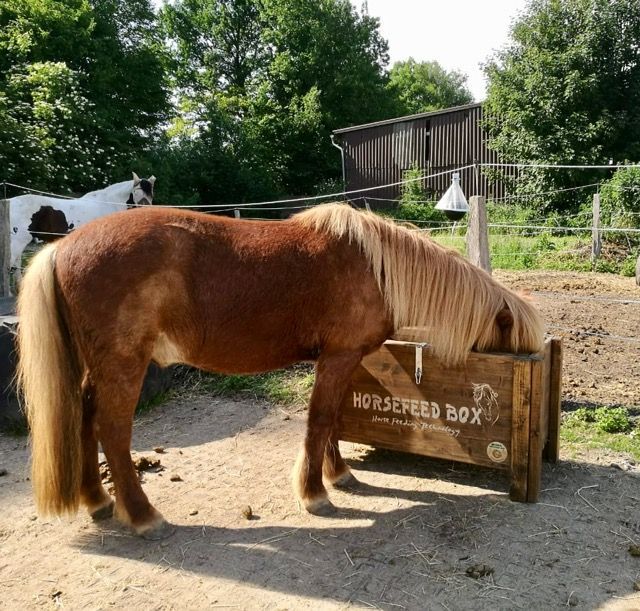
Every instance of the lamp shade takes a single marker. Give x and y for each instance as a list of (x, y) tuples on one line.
[(453, 203)]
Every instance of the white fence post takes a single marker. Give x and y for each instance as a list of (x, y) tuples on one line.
[(596, 234), (477, 233), (5, 249), (236, 213)]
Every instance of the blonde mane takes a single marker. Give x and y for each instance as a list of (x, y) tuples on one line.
[(427, 285)]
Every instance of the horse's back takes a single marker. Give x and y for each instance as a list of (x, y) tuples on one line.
[(217, 292)]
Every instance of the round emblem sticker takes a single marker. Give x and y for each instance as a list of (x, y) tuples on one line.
[(497, 451)]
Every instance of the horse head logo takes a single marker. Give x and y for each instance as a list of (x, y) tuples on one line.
[(486, 400)]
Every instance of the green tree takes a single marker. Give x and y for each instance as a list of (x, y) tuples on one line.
[(279, 76), (327, 72), (46, 127), (124, 74), (83, 89), (218, 44), (424, 86), (44, 30), (219, 56), (566, 90)]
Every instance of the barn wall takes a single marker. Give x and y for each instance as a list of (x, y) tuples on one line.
[(379, 154)]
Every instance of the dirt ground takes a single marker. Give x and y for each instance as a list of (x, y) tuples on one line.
[(416, 534), (599, 317)]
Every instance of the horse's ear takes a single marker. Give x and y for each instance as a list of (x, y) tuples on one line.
[(504, 320), (152, 179), (136, 180)]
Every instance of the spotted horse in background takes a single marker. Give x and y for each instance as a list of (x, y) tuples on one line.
[(47, 218)]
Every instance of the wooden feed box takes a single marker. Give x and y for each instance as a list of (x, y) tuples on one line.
[(497, 410)]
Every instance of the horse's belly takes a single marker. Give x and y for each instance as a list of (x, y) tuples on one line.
[(229, 358), (166, 352)]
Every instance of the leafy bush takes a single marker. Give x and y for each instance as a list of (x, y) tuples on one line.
[(509, 213), (425, 213), (620, 199), (628, 266), (415, 203), (612, 420), (606, 419), (583, 414)]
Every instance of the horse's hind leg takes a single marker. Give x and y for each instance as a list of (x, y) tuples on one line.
[(333, 373), (93, 495), (334, 468), (116, 398)]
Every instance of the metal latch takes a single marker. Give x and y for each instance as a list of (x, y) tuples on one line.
[(419, 348)]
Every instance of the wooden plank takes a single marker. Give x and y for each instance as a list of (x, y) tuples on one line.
[(552, 449), (536, 440), (546, 381), (520, 430)]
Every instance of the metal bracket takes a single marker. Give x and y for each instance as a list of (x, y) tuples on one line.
[(419, 348)]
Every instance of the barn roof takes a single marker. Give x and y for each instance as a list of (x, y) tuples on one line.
[(421, 115)]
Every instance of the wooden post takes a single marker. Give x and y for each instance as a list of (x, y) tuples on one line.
[(596, 234), (5, 248), (236, 213), (520, 430), (477, 234), (537, 407), (552, 449)]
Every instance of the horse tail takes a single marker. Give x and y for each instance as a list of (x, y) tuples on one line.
[(49, 379)]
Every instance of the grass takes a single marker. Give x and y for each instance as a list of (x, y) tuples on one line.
[(601, 429), (550, 252), (557, 243), (162, 397), (283, 387), (14, 428)]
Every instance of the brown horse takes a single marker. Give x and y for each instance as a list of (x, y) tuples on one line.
[(328, 285)]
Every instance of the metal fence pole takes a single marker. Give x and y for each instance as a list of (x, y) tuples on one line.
[(596, 234), (5, 249)]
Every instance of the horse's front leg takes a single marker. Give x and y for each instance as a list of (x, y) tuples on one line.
[(333, 372)]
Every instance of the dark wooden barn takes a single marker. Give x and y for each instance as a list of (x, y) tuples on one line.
[(380, 153)]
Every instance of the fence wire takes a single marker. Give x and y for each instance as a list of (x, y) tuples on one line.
[(523, 244)]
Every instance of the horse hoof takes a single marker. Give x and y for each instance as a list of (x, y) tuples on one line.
[(347, 480), (322, 507), (159, 532), (104, 513)]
